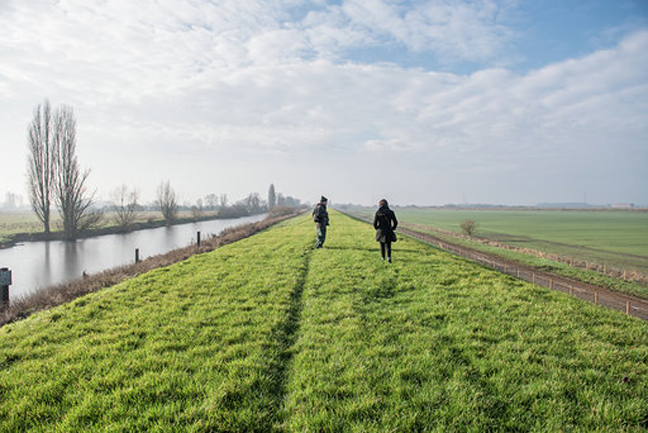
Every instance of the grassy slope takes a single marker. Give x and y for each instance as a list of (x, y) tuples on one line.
[(268, 334)]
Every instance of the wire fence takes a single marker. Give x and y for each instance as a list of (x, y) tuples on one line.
[(599, 296)]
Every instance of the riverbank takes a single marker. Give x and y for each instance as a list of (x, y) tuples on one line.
[(8, 240), (66, 292)]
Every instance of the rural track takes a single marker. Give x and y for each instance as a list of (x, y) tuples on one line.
[(628, 304)]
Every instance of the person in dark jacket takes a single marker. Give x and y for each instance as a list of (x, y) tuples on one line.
[(385, 223), (321, 219)]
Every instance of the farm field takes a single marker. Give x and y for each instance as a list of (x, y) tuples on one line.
[(615, 238), (268, 334)]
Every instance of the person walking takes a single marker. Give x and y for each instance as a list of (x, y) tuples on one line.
[(385, 223), (321, 219)]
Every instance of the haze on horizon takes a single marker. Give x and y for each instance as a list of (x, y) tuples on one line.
[(420, 101)]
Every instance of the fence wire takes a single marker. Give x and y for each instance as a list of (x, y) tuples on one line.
[(599, 296)]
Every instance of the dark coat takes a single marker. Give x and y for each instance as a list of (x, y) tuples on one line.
[(385, 223), (320, 215)]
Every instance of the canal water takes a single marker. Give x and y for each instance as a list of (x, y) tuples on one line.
[(36, 265)]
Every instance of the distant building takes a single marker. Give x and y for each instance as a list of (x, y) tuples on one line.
[(563, 205), (622, 206)]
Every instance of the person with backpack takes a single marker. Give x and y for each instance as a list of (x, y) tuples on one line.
[(321, 219), (385, 223)]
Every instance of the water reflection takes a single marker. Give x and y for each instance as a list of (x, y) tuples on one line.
[(36, 265)]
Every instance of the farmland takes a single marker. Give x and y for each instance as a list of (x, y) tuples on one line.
[(27, 225), (614, 237), (268, 334)]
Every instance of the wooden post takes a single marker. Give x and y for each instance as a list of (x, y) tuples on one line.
[(137, 255), (505, 269), (628, 308), (595, 298), (198, 239), (534, 278), (5, 282)]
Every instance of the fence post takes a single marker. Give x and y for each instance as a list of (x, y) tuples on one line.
[(137, 255), (627, 308), (5, 282), (534, 278), (595, 298), (518, 272), (198, 239), (551, 283)]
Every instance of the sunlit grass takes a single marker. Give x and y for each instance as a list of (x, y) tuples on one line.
[(270, 335)]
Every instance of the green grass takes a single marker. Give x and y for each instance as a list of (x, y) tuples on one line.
[(28, 223), (596, 278), (268, 334), (615, 238)]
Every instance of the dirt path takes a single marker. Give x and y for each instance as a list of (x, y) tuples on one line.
[(598, 295)]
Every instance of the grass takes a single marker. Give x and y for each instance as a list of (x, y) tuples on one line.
[(12, 224), (268, 334), (631, 287), (616, 238)]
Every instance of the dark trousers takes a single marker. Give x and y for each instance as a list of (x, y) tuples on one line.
[(385, 247), (321, 236)]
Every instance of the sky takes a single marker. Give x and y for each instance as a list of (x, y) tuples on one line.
[(424, 102)]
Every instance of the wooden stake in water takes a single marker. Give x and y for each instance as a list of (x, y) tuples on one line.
[(198, 239), (137, 255)]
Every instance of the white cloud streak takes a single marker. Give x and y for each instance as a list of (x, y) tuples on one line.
[(244, 80)]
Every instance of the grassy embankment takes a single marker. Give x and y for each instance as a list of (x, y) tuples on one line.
[(615, 238), (268, 334)]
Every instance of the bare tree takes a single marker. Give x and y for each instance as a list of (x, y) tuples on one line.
[(125, 206), (211, 201), (223, 200), (167, 202), (71, 184), (253, 203), (41, 163), (197, 210)]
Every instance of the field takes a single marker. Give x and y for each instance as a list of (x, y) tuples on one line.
[(28, 223), (268, 334), (615, 238)]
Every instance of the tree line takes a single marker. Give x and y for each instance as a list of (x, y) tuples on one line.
[(55, 178)]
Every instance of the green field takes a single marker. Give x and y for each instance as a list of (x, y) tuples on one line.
[(615, 238), (268, 334), (28, 223)]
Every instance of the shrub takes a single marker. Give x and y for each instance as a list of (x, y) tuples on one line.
[(468, 227)]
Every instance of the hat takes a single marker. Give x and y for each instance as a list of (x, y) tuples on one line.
[(323, 198)]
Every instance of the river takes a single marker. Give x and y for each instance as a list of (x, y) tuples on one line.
[(37, 265)]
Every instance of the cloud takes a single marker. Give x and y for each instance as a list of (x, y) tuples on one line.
[(209, 84)]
